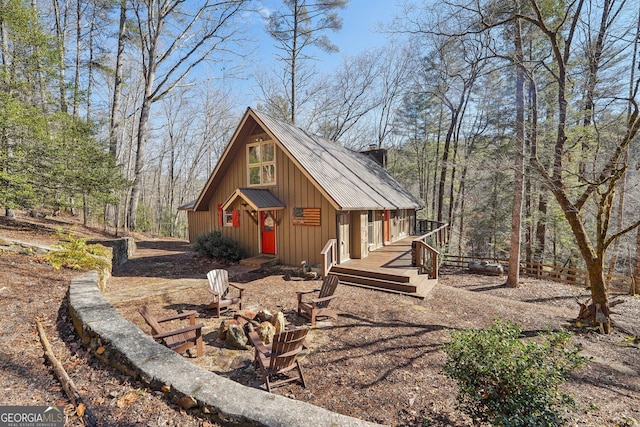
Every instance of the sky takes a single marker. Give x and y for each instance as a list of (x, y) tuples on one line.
[(358, 33), (360, 19)]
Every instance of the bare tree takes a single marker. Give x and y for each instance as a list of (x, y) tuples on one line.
[(513, 273), (395, 68), (297, 27), (114, 122), (349, 96), (174, 38), (61, 12), (608, 165)]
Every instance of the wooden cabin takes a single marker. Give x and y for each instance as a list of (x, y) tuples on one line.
[(281, 192)]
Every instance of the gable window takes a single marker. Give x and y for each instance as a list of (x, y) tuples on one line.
[(261, 161)]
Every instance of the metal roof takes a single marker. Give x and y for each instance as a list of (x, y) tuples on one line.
[(187, 206), (353, 180), (258, 199)]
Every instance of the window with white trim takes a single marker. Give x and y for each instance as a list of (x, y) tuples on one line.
[(227, 218), (261, 163)]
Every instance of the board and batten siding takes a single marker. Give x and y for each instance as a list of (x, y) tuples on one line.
[(199, 223), (402, 223), (294, 243), (297, 243), (234, 177)]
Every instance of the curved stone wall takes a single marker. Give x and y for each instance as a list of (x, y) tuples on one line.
[(122, 344)]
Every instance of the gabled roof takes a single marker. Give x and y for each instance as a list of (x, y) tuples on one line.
[(257, 199), (350, 180)]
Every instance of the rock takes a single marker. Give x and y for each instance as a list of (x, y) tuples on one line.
[(236, 337), (264, 316), (246, 314), (224, 327), (266, 331), (187, 402), (279, 322)]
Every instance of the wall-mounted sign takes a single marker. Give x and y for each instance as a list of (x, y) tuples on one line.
[(306, 216)]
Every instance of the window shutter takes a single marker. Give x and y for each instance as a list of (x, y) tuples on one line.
[(235, 215), (220, 213)]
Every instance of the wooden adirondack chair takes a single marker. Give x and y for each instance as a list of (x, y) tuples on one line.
[(280, 357), (320, 305), (179, 340), (219, 288)]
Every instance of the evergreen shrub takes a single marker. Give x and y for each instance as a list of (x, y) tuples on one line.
[(508, 381), (77, 255), (215, 245)]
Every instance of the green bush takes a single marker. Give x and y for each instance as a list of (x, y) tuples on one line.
[(77, 255), (215, 245), (507, 381)]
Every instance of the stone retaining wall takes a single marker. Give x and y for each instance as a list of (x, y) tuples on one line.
[(119, 343), (21, 247), (122, 249)]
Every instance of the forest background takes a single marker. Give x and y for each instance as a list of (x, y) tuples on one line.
[(514, 121)]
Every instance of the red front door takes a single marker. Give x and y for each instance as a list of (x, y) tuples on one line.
[(268, 232)]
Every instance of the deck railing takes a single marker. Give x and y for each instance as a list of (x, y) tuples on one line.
[(425, 252), (329, 256)]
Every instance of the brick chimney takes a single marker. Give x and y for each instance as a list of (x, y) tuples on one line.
[(377, 154)]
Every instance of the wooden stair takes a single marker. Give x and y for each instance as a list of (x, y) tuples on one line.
[(259, 261), (413, 285)]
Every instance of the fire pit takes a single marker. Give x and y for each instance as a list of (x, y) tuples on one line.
[(235, 332)]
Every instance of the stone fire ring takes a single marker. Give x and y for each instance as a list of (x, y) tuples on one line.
[(121, 344)]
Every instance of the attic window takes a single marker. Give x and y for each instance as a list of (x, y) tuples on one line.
[(261, 161)]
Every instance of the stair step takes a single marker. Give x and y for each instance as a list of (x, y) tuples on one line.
[(259, 261), (377, 288), (373, 282), (398, 278)]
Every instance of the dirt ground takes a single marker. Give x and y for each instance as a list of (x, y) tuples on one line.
[(380, 361)]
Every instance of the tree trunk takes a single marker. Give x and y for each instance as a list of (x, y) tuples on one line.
[(599, 308), (136, 187), (445, 162), (61, 36), (513, 273), (541, 228), (76, 78), (594, 261), (294, 62), (434, 199), (635, 283), (117, 84)]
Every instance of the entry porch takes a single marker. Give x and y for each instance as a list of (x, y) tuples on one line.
[(408, 266)]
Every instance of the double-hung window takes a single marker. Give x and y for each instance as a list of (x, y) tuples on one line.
[(261, 159)]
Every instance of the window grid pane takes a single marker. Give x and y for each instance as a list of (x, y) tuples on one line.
[(254, 155), (268, 174), (254, 175), (268, 152), (261, 164)]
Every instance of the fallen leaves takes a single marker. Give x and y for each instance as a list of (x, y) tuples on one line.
[(127, 399)]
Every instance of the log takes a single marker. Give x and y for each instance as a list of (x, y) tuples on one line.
[(254, 323), (68, 386), (485, 267)]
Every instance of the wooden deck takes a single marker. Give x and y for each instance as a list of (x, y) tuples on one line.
[(387, 269)]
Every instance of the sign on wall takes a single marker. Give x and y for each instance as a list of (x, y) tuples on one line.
[(306, 216)]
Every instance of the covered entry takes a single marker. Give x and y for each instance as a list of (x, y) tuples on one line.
[(262, 206)]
